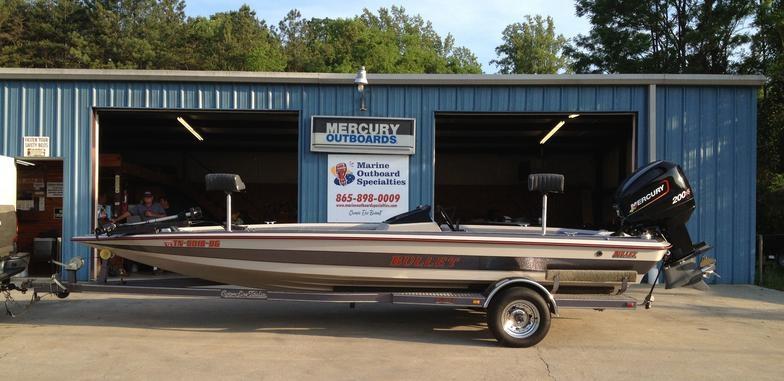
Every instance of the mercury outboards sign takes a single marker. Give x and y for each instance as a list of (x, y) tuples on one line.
[(363, 135)]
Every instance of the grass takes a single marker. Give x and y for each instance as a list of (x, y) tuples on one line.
[(773, 276)]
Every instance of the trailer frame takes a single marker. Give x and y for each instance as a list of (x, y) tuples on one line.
[(495, 299)]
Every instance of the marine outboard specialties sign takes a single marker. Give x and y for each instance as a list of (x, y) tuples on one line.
[(366, 188), (363, 135)]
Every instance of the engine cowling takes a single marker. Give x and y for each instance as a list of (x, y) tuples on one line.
[(658, 197), (655, 195)]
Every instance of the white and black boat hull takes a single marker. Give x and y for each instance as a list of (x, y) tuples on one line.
[(310, 261)]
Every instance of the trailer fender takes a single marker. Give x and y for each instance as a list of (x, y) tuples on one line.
[(522, 282)]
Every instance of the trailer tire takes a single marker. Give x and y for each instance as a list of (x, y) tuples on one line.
[(63, 294), (519, 317)]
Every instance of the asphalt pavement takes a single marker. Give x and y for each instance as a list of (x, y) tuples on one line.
[(730, 332)]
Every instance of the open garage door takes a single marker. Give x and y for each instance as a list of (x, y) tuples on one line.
[(168, 152), (483, 162)]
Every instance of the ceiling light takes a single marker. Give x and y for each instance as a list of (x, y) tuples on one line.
[(572, 116), (189, 128), (552, 132), (25, 163)]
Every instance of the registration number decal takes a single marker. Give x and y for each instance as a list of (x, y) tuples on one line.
[(208, 243)]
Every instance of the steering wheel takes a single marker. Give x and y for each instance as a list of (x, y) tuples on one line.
[(446, 218)]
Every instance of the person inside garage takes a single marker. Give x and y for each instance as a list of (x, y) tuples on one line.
[(143, 211), (146, 210)]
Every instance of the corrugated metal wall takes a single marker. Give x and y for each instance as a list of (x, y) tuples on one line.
[(710, 130)]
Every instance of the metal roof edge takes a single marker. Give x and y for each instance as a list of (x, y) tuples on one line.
[(381, 79)]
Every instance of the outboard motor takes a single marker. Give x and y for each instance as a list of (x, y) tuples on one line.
[(657, 199)]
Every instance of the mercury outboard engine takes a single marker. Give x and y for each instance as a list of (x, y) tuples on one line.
[(657, 199)]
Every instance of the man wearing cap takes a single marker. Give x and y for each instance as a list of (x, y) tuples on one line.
[(146, 210)]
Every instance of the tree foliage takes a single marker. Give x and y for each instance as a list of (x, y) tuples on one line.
[(390, 41), (767, 57), (131, 34), (234, 40), (661, 36), (532, 47), (700, 36), (156, 34)]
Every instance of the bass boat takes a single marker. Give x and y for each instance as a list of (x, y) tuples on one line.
[(412, 251)]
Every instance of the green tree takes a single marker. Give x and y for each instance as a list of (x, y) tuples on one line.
[(767, 57), (463, 61), (41, 33), (390, 41), (661, 36), (531, 47), (11, 32), (291, 32), (235, 40), (134, 34), (156, 34)]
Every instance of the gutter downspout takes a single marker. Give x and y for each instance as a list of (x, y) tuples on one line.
[(653, 273), (651, 123)]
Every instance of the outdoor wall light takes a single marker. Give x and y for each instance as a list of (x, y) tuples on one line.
[(361, 80)]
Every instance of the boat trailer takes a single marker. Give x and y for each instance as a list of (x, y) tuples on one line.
[(519, 310), (431, 298)]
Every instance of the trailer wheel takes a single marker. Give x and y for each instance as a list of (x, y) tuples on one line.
[(518, 317), (63, 294)]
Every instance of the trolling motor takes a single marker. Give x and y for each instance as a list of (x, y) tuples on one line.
[(149, 226), (226, 182), (658, 200)]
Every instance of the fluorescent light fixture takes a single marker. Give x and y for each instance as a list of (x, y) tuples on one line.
[(189, 128), (25, 163), (552, 132), (572, 116)]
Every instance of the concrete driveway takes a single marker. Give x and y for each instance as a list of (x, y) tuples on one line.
[(732, 332)]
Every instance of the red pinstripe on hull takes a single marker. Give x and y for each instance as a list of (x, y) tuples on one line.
[(372, 238)]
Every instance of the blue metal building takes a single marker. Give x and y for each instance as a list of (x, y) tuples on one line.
[(706, 123)]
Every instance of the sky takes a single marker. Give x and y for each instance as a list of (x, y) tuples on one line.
[(475, 24)]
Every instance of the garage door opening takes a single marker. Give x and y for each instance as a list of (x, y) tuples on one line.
[(39, 212), (168, 152), (483, 162)]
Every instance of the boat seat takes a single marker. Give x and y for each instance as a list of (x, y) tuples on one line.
[(546, 182), (226, 182)]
